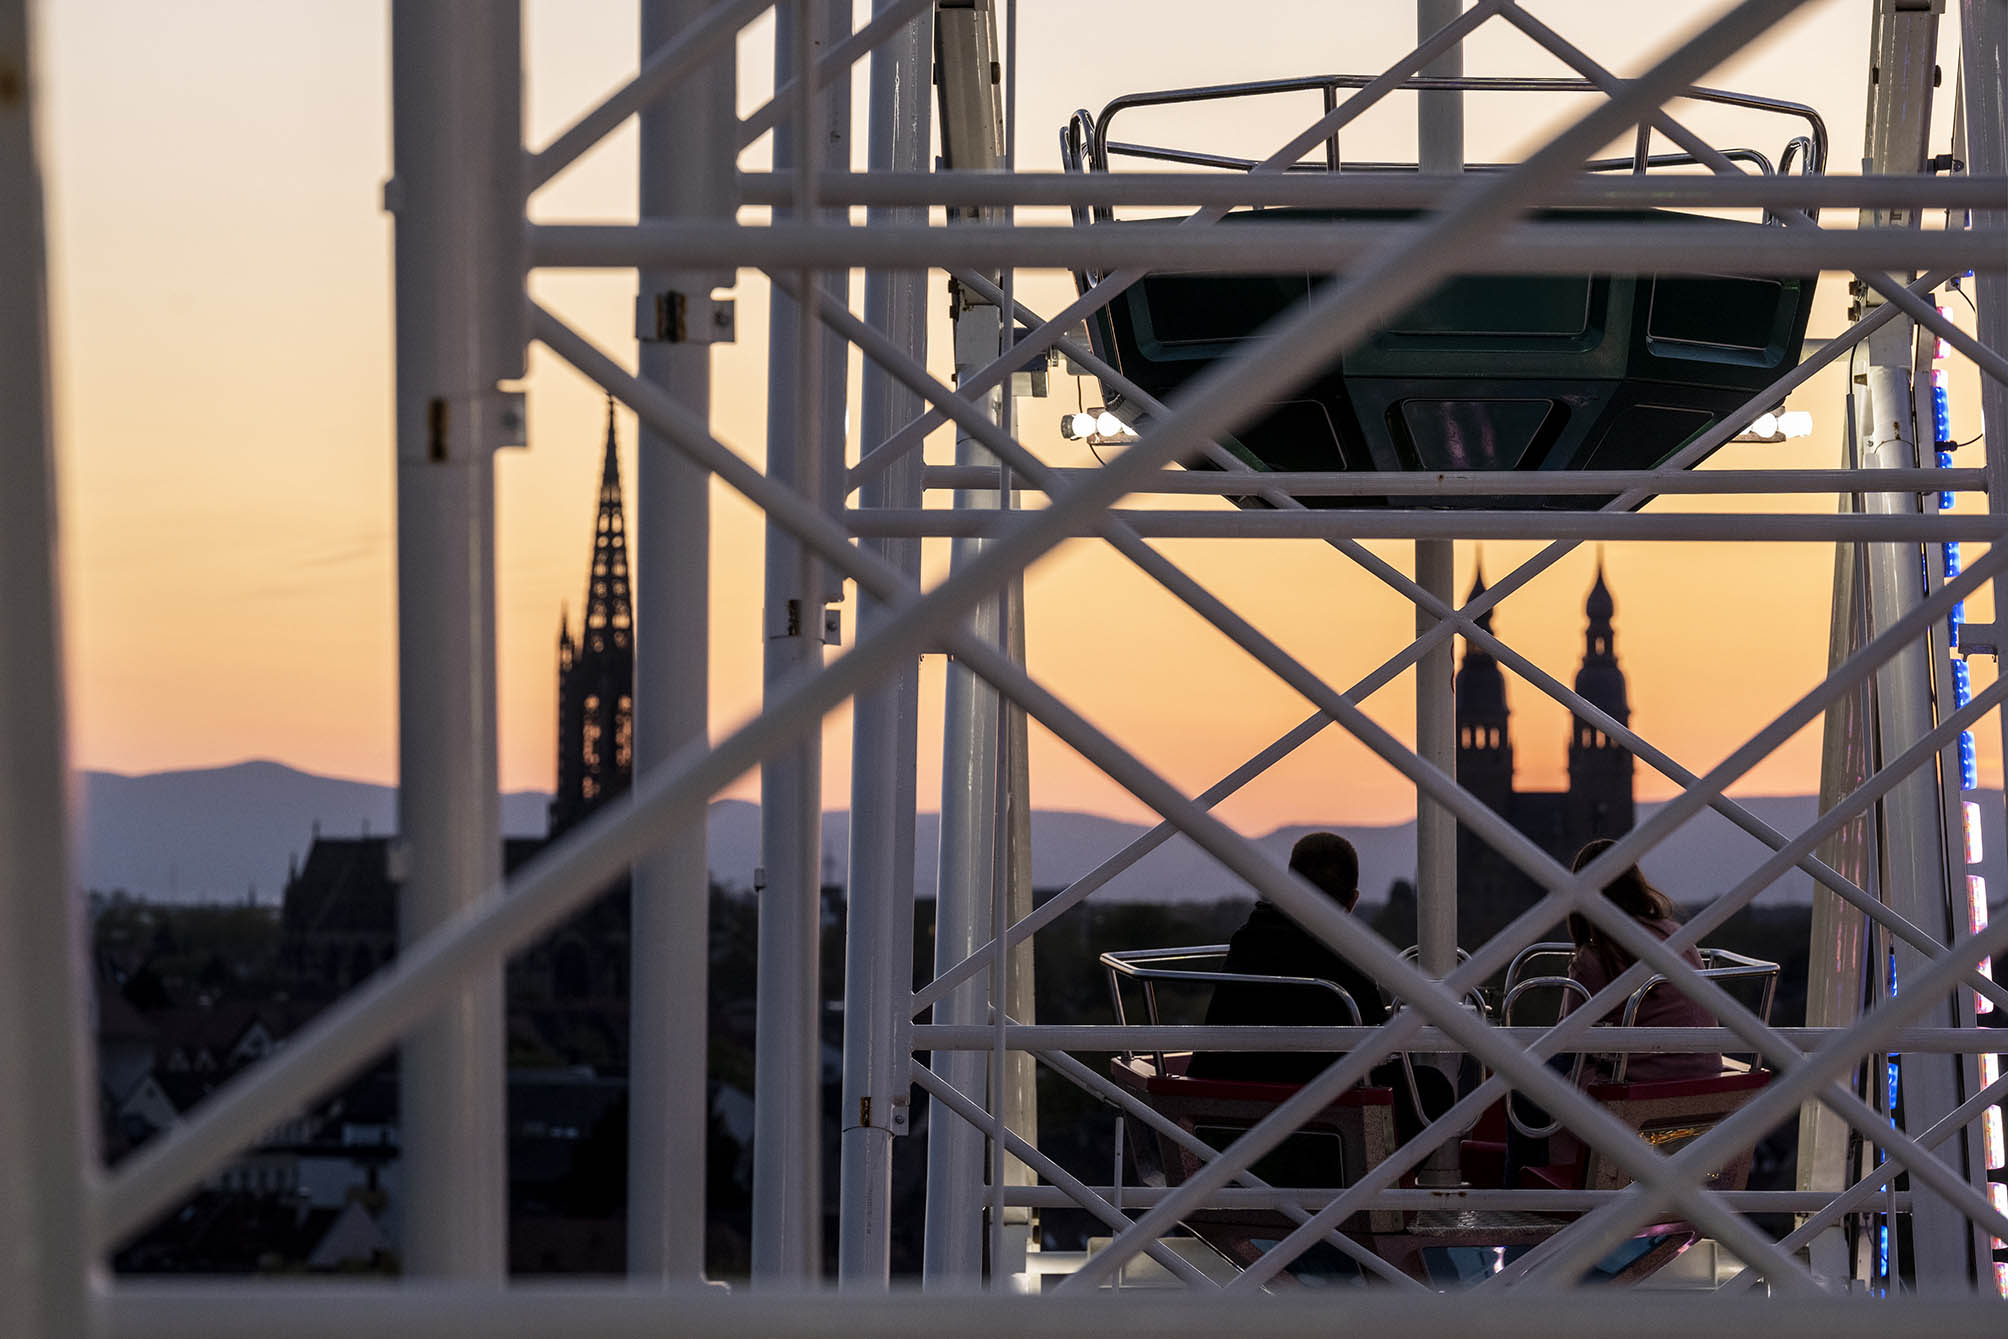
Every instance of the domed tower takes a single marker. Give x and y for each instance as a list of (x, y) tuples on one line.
[(1484, 744), (1600, 772)]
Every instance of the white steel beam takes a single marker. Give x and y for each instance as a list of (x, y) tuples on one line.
[(1398, 523), (1917, 877), (1439, 150), (334, 1311), (1506, 483), (1984, 119), (557, 883), (956, 1103), (886, 20), (878, 930), (1380, 190), (972, 139), (1293, 673), (1524, 248), (1100, 1086), (686, 172), (456, 195), (1583, 1242), (1497, 591), (48, 1122), (1819, 1220), (1140, 1037), (805, 442), (1227, 846), (696, 43), (1865, 327), (1573, 1029), (1456, 1199), (962, 414)]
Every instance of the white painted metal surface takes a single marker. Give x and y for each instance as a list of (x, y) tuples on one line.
[(878, 925), (686, 171), (462, 251), (456, 190), (48, 1131), (804, 447)]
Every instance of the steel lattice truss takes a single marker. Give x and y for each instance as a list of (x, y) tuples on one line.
[(452, 357)]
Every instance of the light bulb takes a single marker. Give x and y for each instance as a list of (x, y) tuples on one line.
[(1795, 423), (1108, 425), (1765, 425), (1078, 425)]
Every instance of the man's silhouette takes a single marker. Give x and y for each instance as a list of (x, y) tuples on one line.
[(1269, 943)]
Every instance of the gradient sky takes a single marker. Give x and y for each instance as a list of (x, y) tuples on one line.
[(222, 315)]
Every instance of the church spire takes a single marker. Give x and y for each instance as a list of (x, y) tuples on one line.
[(1480, 687), (1484, 738), (609, 621), (596, 669), (1600, 769), (1599, 638)]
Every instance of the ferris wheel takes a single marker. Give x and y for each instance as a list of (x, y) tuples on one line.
[(1287, 344)]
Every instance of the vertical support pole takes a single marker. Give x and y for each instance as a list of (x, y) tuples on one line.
[(1014, 1076), (805, 441), (1837, 975), (1984, 57), (953, 1249), (686, 172), (1440, 149), (1021, 1100), (878, 933), (972, 139), (1917, 882), (48, 1125), (1917, 878), (1984, 39), (457, 193)]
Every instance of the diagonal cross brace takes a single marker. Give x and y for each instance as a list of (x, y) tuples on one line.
[(1576, 1027)]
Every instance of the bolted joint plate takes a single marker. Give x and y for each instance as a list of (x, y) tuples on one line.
[(672, 317), (459, 428)]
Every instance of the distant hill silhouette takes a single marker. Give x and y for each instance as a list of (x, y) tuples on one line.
[(214, 833)]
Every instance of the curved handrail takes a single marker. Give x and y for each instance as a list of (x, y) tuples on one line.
[(1080, 148), (1561, 948), (1413, 953), (1718, 964), (1506, 1003), (1139, 965), (1799, 146), (1227, 162), (1816, 136)]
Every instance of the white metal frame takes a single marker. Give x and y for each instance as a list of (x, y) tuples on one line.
[(463, 250)]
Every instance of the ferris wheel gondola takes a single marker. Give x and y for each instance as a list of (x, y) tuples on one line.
[(1507, 372)]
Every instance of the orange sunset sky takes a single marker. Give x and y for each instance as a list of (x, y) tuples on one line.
[(221, 306)]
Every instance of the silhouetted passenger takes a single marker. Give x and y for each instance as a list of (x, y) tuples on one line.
[(1269, 943), (1599, 960)]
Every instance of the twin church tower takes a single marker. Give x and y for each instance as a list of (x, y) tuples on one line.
[(1598, 801), (596, 725)]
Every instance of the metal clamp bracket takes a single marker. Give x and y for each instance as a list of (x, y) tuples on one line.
[(671, 317), (464, 427)]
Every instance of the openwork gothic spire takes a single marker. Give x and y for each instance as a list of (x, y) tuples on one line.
[(596, 672), (609, 606)]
